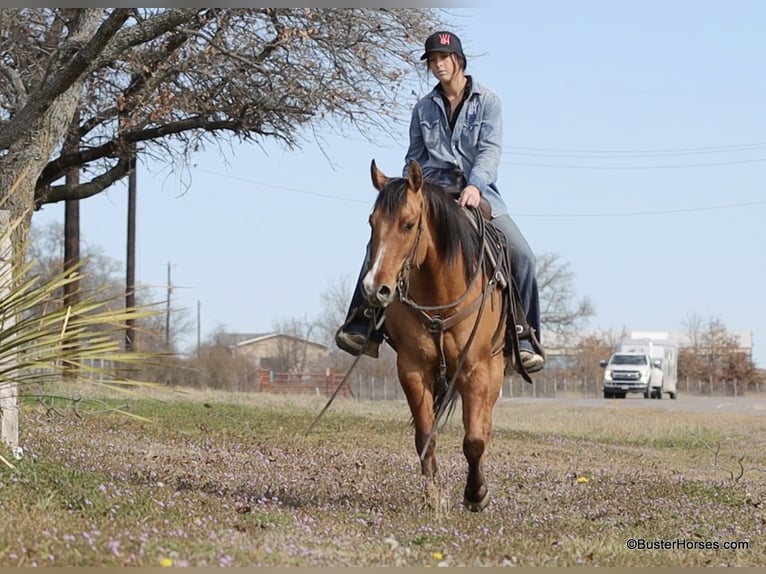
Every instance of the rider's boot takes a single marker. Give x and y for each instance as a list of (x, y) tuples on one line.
[(531, 353), (353, 334)]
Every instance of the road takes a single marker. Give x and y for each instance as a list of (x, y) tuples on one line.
[(753, 405)]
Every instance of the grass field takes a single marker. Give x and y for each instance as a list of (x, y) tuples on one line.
[(231, 480)]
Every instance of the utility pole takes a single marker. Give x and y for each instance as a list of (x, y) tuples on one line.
[(72, 216), (199, 327), (72, 231), (167, 312), (130, 272)]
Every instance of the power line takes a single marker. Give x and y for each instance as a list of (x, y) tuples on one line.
[(529, 150), (642, 213), (638, 167), (624, 155), (282, 187), (607, 214)]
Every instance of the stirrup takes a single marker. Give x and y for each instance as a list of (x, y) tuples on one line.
[(356, 343)]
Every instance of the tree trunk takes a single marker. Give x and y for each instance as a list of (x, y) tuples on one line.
[(24, 160), (20, 166)]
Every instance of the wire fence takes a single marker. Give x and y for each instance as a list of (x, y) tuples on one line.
[(384, 388), (583, 388)]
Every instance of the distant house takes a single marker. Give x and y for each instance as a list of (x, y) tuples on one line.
[(278, 352)]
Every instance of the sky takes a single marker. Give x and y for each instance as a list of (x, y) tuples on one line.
[(634, 150)]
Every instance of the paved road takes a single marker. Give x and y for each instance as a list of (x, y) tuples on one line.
[(753, 405)]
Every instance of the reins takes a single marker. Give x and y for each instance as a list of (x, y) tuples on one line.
[(374, 325)]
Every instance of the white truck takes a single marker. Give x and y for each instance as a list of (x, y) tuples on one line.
[(642, 365)]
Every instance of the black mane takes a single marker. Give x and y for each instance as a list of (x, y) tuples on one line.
[(453, 231)]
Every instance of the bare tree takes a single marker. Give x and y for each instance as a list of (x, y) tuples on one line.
[(560, 312), (334, 304), (44, 59), (589, 350), (45, 252), (713, 353), (99, 277), (174, 80), (292, 349)]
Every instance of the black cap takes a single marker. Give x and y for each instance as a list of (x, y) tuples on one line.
[(442, 42)]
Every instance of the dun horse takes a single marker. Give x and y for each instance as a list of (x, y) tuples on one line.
[(443, 311)]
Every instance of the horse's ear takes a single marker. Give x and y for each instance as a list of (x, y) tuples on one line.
[(379, 180), (415, 176)]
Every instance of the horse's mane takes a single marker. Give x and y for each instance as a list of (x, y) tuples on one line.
[(454, 234)]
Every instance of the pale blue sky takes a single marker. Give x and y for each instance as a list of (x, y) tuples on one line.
[(635, 149)]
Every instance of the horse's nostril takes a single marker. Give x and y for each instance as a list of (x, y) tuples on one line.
[(384, 292)]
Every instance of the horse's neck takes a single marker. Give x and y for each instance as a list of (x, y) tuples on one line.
[(436, 281)]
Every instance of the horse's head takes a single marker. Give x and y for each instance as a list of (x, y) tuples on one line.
[(396, 223)]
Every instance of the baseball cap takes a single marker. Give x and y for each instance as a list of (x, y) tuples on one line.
[(442, 42)]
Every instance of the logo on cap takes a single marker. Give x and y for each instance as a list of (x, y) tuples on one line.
[(444, 39)]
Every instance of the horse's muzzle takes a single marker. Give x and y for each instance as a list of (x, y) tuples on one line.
[(380, 297)]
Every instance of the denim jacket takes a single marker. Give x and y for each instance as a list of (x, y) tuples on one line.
[(472, 148)]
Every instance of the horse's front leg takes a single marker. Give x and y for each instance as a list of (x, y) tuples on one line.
[(420, 399), (479, 390)]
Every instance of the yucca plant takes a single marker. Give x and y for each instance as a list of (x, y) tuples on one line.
[(43, 341)]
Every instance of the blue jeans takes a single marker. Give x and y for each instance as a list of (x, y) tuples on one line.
[(523, 268)]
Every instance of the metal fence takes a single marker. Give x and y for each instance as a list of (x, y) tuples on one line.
[(300, 383), (369, 388), (571, 387)]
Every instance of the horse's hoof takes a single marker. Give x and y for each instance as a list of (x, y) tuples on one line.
[(477, 506)]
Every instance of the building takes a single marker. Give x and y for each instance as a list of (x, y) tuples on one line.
[(277, 352), (683, 340)]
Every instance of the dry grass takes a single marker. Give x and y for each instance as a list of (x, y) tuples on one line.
[(223, 479)]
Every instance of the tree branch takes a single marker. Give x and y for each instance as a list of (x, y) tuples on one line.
[(147, 30), (18, 85), (72, 69), (96, 185), (57, 168), (98, 119)]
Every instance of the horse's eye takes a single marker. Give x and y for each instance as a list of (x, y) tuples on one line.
[(409, 226)]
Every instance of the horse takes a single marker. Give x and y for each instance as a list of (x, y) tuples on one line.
[(437, 294)]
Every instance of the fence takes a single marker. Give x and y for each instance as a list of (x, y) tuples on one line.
[(551, 387), (369, 388), (357, 387), (300, 383)]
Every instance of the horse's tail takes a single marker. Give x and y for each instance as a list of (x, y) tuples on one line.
[(445, 397)]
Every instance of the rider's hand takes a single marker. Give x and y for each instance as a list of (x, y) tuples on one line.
[(470, 196)]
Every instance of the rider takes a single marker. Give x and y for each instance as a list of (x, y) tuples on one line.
[(456, 136)]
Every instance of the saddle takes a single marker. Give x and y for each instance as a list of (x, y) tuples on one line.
[(498, 264)]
